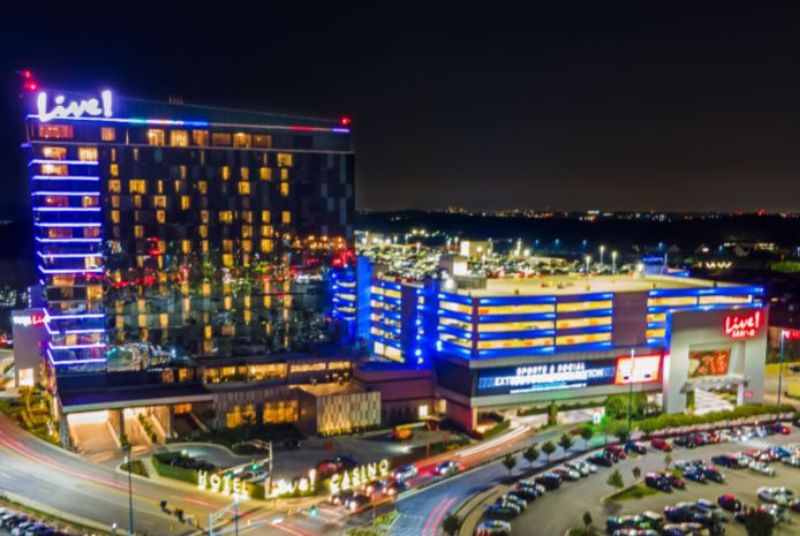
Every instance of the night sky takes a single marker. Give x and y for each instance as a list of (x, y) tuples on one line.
[(566, 105)]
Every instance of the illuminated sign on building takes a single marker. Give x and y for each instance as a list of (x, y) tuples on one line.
[(743, 326), (303, 485), (546, 377), (26, 321), (639, 369), (73, 109), (359, 476), (225, 485)]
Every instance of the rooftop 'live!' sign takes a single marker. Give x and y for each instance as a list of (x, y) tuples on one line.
[(60, 108)]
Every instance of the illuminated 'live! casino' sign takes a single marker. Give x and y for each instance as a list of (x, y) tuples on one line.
[(743, 326)]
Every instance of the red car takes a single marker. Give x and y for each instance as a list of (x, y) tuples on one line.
[(618, 450), (661, 444), (780, 428)]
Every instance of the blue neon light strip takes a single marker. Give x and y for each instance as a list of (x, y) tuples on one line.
[(78, 346), (67, 209), (76, 224), (680, 292), (64, 162), (506, 335), (67, 193), (516, 300), (69, 240), (68, 255), (71, 271), (89, 178)]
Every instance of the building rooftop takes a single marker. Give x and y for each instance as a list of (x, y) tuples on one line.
[(327, 389), (560, 285)]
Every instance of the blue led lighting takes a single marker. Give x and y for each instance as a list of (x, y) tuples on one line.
[(89, 178), (65, 162), (68, 255), (68, 240), (75, 224), (65, 193), (67, 209)]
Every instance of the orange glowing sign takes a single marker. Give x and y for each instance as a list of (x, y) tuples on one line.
[(639, 369), (743, 326)]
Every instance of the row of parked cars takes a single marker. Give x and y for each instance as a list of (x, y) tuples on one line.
[(507, 507), (21, 524), (688, 518)]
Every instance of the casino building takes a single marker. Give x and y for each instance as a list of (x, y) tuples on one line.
[(498, 344), (186, 249)]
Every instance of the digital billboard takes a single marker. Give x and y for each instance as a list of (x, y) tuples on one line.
[(566, 375), (709, 362)]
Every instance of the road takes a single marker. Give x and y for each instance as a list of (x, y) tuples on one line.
[(49, 475)]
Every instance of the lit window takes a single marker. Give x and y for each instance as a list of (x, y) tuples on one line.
[(227, 260), (179, 138), (286, 217), (54, 169), (284, 174), (220, 138), (244, 188), (266, 230), (54, 153), (262, 140), (265, 173), (108, 134), (226, 172), (155, 136), (138, 231), (114, 170), (160, 201), (137, 186), (115, 186), (244, 173), (202, 187), (227, 245), (200, 137), (266, 245), (161, 216), (240, 139), (115, 216), (87, 154), (56, 131), (247, 231), (284, 189), (285, 160), (185, 202), (226, 216), (266, 216)]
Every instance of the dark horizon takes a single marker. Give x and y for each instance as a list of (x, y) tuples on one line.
[(666, 109)]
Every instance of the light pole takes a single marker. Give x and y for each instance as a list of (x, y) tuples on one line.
[(588, 260), (129, 462), (780, 367), (613, 262), (630, 390), (602, 251)]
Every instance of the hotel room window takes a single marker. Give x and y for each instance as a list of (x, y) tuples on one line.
[(220, 138), (156, 136), (185, 202), (265, 173), (138, 231), (137, 186), (244, 173), (113, 169), (286, 217), (244, 188), (285, 159), (284, 189), (266, 216), (179, 138), (108, 134), (202, 187), (241, 139), (226, 216), (87, 154), (263, 141), (62, 132), (160, 201), (115, 186), (54, 153), (226, 172), (200, 137)]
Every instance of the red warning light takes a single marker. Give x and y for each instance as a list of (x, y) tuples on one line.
[(27, 74), (30, 85), (345, 121)]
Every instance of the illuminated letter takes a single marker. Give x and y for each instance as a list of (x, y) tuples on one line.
[(383, 467), (202, 479), (215, 482), (335, 487), (372, 470)]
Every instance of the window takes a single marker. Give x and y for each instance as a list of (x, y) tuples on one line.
[(202, 187), (185, 202), (138, 231), (284, 189), (87, 154), (160, 201), (285, 160), (56, 131), (284, 174), (226, 172), (155, 136), (265, 173), (240, 139), (108, 134), (286, 217), (54, 153), (247, 231), (161, 216), (262, 140), (244, 173), (226, 216), (115, 216), (113, 169), (244, 188), (137, 186), (200, 137), (266, 216), (115, 186), (54, 169), (220, 138), (179, 138), (266, 245)]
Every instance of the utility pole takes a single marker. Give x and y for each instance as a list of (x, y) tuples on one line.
[(269, 486), (780, 368), (129, 462), (630, 390)]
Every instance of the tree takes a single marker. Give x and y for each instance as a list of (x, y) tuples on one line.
[(587, 521), (548, 448), (759, 523), (451, 524), (531, 454), (586, 435), (565, 442), (616, 407), (552, 414), (615, 480), (637, 473), (510, 461), (667, 460)]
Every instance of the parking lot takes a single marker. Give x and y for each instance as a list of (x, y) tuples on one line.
[(559, 510)]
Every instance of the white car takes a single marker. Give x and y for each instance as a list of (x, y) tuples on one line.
[(406, 471), (793, 461), (780, 496), (762, 468), (583, 469)]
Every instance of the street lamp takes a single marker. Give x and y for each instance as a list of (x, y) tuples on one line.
[(613, 262), (630, 390), (129, 462), (780, 367), (588, 260), (602, 250)]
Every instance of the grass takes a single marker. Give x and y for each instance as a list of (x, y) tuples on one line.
[(137, 468), (580, 531), (637, 491)]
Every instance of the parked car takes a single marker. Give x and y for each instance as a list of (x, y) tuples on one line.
[(657, 481), (514, 499), (694, 474), (675, 481), (567, 474), (498, 511), (636, 446), (358, 503), (762, 469), (342, 497), (778, 513), (685, 441), (617, 451), (614, 523), (550, 481), (710, 508), (493, 527), (396, 488), (726, 460), (582, 468), (729, 502), (792, 461), (780, 428), (600, 460), (661, 444), (713, 474), (776, 495)]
